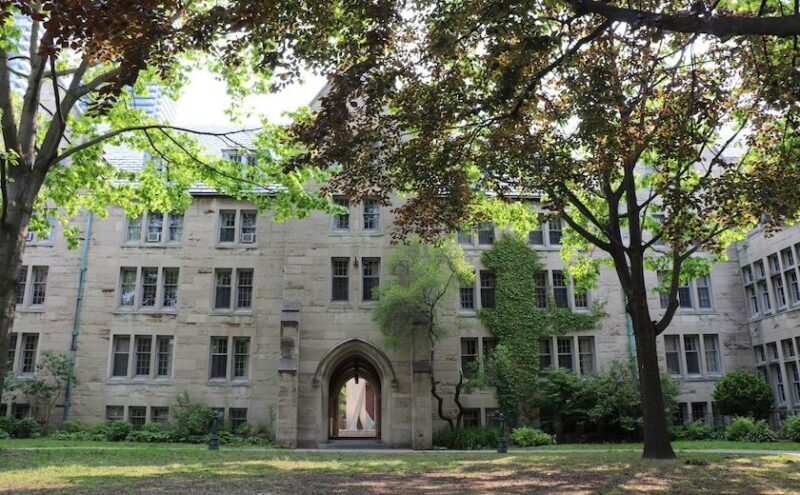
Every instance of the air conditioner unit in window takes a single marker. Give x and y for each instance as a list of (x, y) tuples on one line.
[(29, 236), (154, 237), (248, 238)]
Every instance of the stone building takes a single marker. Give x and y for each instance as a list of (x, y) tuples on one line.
[(271, 322)]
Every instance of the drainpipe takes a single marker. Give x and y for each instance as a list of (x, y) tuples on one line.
[(76, 322)]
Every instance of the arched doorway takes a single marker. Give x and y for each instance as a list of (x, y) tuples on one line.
[(354, 405)]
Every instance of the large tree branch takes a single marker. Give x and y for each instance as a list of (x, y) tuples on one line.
[(723, 26), (586, 234), (109, 135), (8, 121)]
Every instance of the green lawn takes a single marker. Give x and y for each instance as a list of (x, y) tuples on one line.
[(46, 466)]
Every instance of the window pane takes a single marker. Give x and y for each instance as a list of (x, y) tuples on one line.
[(465, 237), (115, 413), (692, 350), (248, 227), (545, 353), (127, 292), (684, 297), (219, 357), (780, 294), (238, 417), (222, 289), (122, 345), (175, 227), (540, 290), (159, 415), (155, 224), (137, 415), (170, 288), (703, 293), (586, 354), (469, 356), (342, 221), (371, 269), (227, 226), (244, 289), (487, 289), (672, 351), (372, 211), (22, 278), (241, 356), (486, 233), (711, 343), (143, 345), (467, 297), (340, 289), (134, 229), (565, 352), (560, 291), (39, 287), (28, 359), (149, 286), (164, 356), (555, 231)]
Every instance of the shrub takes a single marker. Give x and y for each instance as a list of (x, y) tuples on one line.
[(4, 435), (73, 426), (118, 431), (25, 428), (696, 430), (530, 437), (243, 430), (466, 438), (150, 432), (744, 393), (192, 419), (749, 430), (6, 423), (791, 428)]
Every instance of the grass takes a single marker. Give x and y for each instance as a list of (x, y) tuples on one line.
[(46, 466)]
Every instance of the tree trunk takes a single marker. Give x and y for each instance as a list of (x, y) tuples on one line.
[(12, 244), (657, 443)]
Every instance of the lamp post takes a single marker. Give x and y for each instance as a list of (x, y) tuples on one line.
[(502, 446), (213, 441)]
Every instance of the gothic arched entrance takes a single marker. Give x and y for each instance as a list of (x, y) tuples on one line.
[(354, 405)]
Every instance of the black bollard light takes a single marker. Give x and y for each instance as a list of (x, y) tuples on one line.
[(502, 446), (213, 441)]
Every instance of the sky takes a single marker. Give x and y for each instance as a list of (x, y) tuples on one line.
[(204, 101)]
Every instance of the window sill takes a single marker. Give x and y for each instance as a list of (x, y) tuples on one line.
[(340, 233), (229, 312), (236, 245), (468, 313), (47, 244), (368, 304), (123, 380), (170, 244), (222, 382), (371, 233), (146, 312), (30, 309), (340, 305)]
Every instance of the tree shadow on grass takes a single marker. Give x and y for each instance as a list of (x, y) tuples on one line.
[(291, 473)]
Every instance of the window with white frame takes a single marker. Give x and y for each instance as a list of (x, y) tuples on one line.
[(774, 263), (469, 356), (465, 237), (154, 228), (28, 353), (545, 353), (141, 356), (564, 349), (341, 221), (487, 289), (148, 288), (225, 280), (340, 279), (242, 155), (672, 349), (778, 290), (237, 227), (486, 233), (788, 258), (560, 289), (586, 354), (540, 289), (536, 236), (372, 215), (794, 286), (229, 357), (711, 348), (763, 290), (31, 285), (691, 347), (371, 278), (466, 295), (581, 299), (555, 231)]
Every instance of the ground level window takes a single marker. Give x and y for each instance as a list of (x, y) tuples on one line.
[(471, 418), (699, 411), (137, 416), (238, 417), (115, 413), (681, 414), (159, 415), (20, 411)]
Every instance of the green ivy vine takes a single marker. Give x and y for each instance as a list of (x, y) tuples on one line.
[(518, 324)]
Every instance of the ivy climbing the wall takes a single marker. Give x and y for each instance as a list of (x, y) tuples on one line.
[(518, 324)]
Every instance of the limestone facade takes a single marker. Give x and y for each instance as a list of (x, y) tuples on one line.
[(262, 329)]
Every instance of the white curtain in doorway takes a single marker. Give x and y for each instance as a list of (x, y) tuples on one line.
[(356, 406)]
